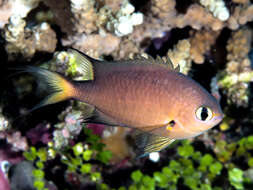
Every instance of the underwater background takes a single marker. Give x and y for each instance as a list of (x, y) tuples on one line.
[(50, 149)]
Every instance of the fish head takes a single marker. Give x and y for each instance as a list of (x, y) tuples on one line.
[(197, 112)]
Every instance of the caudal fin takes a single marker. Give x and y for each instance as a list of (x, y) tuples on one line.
[(59, 87)]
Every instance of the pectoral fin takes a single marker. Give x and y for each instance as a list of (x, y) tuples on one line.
[(147, 143)]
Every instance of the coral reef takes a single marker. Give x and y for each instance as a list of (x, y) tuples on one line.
[(217, 7), (117, 17), (19, 8), (85, 15), (21, 39), (95, 45), (22, 7), (196, 16), (238, 73), (240, 16), (180, 55), (211, 40), (124, 20), (15, 139), (68, 129), (201, 43)]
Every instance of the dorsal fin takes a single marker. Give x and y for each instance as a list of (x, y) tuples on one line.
[(159, 60), (169, 63), (145, 58), (150, 59), (84, 62), (177, 69)]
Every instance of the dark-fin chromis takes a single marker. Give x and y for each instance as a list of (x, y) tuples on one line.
[(147, 143)]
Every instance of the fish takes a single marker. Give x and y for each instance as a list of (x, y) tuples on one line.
[(147, 94)]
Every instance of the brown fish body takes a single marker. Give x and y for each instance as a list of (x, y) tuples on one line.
[(143, 94), (138, 96)]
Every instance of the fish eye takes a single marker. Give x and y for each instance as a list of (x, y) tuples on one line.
[(204, 113)]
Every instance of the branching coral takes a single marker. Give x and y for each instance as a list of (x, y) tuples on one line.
[(68, 129), (180, 55), (196, 16), (23, 7), (163, 9), (99, 19), (241, 1), (201, 42), (217, 7), (124, 20), (114, 5), (95, 44), (15, 34), (163, 16), (127, 48), (24, 40), (238, 73), (117, 18), (15, 140), (45, 38), (240, 16), (85, 15)]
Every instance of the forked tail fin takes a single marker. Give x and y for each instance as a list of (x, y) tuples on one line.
[(59, 87)]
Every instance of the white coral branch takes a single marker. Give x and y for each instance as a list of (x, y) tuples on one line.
[(217, 7)]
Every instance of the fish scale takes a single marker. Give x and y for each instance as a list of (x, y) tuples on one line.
[(135, 95)]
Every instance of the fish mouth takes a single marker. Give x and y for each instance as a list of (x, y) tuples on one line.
[(218, 118)]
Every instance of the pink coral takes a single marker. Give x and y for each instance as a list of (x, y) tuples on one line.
[(40, 133), (5, 12), (15, 140)]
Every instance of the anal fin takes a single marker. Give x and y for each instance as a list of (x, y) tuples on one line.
[(148, 142)]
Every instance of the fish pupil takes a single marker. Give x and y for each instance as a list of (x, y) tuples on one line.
[(172, 123), (204, 113)]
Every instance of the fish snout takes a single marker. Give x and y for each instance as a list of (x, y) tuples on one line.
[(218, 117)]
